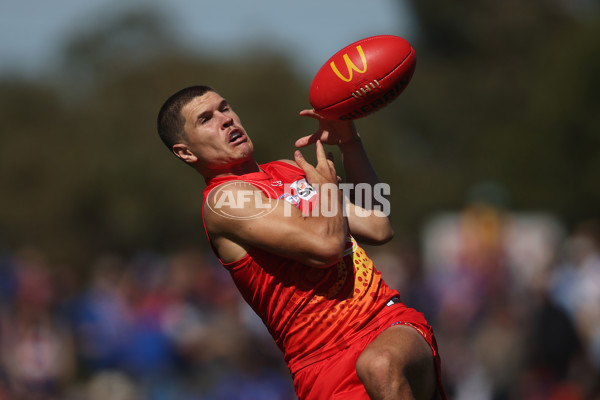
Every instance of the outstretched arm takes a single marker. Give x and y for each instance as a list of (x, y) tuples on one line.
[(368, 209)]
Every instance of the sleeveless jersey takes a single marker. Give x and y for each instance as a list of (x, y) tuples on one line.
[(311, 313)]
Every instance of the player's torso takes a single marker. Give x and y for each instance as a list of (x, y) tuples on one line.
[(310, 312)]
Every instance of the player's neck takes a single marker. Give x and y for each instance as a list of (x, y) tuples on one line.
[(246, 167)]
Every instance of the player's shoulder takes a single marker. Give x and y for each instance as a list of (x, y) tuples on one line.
[(234, 201), (228, 190)]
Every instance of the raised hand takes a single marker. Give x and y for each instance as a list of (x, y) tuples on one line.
[(332, 132), (321, 174)]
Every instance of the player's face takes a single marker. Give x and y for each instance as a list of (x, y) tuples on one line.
[(214, 133)]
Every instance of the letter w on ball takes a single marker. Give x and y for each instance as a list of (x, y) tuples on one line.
[(351, 66)]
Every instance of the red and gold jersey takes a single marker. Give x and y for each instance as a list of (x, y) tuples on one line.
[(310, 312)]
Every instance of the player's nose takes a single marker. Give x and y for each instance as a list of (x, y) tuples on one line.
[(226, 120)]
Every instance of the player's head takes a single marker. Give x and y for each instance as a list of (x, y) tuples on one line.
[(170, 122), (199, 126)]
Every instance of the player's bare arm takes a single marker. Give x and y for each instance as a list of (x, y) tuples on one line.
[(370, 225), (317, 240)]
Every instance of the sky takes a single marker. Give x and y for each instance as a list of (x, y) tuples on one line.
[(32, 32)]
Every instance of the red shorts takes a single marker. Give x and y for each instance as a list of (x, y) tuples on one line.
[(335, 378)]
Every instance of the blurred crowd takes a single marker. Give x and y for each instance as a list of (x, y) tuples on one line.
[(514, 300), (148, 327)]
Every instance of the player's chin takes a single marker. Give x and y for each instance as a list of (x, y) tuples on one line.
[(248, 146), (245, 150)]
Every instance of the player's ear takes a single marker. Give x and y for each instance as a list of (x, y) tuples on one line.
[(184, 153)]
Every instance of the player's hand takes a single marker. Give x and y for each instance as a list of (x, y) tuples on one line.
[(332, 132), (321, 174)]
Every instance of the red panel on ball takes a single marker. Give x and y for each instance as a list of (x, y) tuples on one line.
[(362, 77)]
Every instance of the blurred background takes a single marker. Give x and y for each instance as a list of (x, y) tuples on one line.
[(108, 289)]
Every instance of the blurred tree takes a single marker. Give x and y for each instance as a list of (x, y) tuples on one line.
[(503, 92), (32, 161), (83, 169), (491, 100)]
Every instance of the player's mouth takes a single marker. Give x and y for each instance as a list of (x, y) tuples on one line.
[(237, 137)]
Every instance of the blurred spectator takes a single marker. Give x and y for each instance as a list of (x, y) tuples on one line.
[(575, 287), (112, 385), (101, 318), (37, 348), (575, 284)]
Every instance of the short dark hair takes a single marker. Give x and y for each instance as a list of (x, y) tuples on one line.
[(170, 122)]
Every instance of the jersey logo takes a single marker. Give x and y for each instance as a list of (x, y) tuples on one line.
[(300, 194), (303, 189)]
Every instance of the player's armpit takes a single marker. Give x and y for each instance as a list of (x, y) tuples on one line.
[(239, 212)]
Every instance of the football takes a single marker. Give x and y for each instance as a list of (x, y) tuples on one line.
[(362, 77)]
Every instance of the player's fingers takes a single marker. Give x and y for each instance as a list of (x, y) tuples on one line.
[(326, 159), (300, 160), (306, 140), (321, 156), (311, 113)]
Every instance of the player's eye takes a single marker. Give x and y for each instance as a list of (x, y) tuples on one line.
[(204, 119)]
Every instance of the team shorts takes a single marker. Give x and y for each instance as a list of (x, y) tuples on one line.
[(335, 378)]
